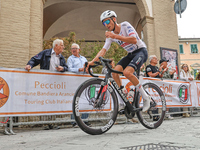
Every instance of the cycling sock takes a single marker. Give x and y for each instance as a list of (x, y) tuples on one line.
[(141, 90)]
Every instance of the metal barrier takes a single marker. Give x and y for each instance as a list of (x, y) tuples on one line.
[(42, 120), (65, 119)]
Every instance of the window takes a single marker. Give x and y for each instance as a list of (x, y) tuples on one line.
[(181, 49), (195, 73), (193, 48)]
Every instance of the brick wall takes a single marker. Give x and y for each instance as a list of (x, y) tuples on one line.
[(165, 25), (20, 31)]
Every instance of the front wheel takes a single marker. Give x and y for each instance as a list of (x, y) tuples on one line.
[(95, 115), (154, 117)]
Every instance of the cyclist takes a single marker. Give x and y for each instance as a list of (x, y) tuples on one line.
[(126, 36)]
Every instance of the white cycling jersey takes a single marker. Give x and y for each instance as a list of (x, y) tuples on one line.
[(126, 30)]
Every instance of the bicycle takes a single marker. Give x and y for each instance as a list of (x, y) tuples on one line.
[(98, 98)]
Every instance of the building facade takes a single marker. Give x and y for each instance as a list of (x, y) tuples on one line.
[(189, 53), (24, 27), (21, 26)]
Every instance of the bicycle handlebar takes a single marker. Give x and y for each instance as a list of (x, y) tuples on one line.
[(86, 63), (107, 63), (104, 62)]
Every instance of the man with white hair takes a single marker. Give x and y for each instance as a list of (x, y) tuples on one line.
[(50, 59), (76, 62), (152, 70)]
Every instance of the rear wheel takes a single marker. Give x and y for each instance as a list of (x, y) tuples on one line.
[(154, 117), (101, 112)]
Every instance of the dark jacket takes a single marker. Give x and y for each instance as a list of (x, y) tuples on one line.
[(153, 69), (43, 58)]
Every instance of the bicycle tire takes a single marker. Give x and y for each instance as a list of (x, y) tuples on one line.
[(101, 118), (154, 117)]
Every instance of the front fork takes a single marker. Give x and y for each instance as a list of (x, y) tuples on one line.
[(101, 94)]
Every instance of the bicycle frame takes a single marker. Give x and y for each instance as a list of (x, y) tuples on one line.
[(108, 78)]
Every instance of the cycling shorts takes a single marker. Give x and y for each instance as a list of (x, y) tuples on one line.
[(134, 59)]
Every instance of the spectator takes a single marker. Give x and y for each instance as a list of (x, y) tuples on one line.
[(198, 76), (185, 75), (152, 70), (165, 70), (166, 75), (50, 59), (76, 63)]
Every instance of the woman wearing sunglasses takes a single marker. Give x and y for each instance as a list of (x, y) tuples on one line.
[(126, 36)]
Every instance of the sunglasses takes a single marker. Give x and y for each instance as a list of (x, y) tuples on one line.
[(185, 66), (106, 22)]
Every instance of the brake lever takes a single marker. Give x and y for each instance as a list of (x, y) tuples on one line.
[(86, 63)]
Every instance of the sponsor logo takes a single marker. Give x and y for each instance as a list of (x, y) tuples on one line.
[(131, 34), (138, 61), (148, 69), (183, 93), (77, 107), (130, 30), (4, 92), (164, 103), (106, 127), (120, 42), (150, 124)]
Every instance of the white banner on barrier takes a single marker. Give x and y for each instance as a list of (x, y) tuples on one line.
[(32, 93), (42, 92), (177, 93)]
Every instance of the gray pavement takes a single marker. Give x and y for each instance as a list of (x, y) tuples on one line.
[(180, 133)]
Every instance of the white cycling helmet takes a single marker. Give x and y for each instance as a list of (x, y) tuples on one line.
[(107, 14)]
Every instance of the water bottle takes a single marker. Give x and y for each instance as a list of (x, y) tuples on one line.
[(124, 90), (131, 95)]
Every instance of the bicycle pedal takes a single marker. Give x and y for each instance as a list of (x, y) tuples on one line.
[(121, 112)]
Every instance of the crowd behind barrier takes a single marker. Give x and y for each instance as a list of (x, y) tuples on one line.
[(29, 98)]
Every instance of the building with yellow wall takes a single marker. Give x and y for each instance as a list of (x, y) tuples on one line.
[(189, 53)]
